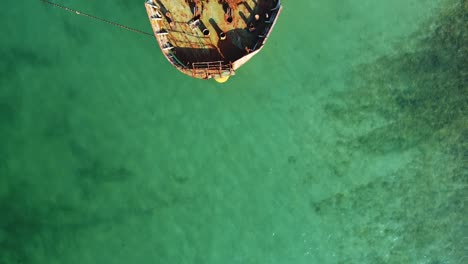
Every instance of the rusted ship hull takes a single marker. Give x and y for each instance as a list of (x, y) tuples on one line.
[(211, 38)]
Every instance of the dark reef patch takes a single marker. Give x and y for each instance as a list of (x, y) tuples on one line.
[(32, 222), (17, 225), (420, 95), (8, 113), (76, 32), (12, 59), (427, 220)]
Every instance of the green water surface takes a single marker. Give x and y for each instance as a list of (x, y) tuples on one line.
[(343, 141)]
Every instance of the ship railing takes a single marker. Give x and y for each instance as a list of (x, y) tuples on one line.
[(210, 65), (211, 68)]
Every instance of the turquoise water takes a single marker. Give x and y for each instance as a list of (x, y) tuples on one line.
[(343, 141)]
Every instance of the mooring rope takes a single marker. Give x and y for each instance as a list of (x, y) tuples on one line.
[(96, 18)]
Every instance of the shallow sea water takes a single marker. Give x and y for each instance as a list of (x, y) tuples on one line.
[(343, 141)]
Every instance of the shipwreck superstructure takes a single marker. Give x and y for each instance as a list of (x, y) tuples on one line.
[(211, 38)]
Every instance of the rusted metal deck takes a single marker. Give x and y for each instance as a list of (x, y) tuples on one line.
[(211, 38)]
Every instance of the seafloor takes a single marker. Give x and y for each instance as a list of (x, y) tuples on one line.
[(343, 141)]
